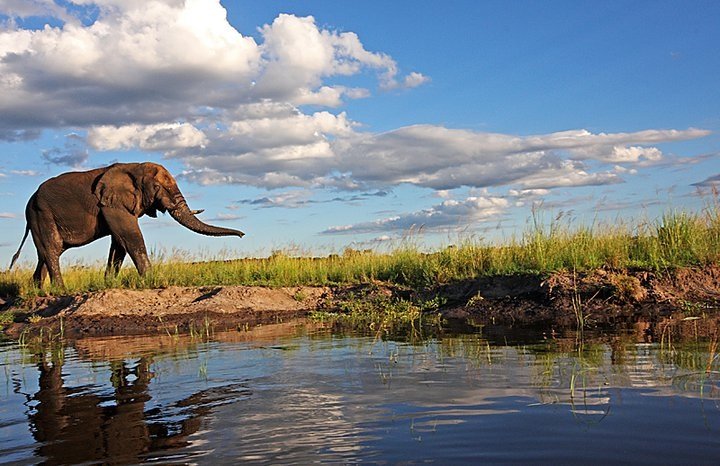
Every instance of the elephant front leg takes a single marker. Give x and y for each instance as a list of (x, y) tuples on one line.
[(115, 259), (126, 232)]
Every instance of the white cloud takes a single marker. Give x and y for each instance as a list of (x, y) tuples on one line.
[(442, 158), (523, 196), (25, 172), (449, 215), (28, 8), (620, 169), (159, 62), (526, 193), (298, 56), (159, 137), (138, 62), (7, 215), (288, 148), (414, 79), (566, 173), (621, 154)]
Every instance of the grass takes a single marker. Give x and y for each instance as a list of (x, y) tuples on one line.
[(676, 239), (384, 316)]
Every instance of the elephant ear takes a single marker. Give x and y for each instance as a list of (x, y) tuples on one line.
[(148, 188), (116, 189)]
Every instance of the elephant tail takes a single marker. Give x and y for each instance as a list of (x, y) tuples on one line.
[(22, 243)]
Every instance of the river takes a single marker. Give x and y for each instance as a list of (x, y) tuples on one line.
[(302, 392)]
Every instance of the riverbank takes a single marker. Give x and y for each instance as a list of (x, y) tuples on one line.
[(557, 300)]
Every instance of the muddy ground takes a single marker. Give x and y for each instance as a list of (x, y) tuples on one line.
[(561, 300)]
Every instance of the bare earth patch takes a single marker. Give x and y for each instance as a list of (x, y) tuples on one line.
[(173, 309)]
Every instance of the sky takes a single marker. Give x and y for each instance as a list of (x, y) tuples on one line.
[(319, 125)]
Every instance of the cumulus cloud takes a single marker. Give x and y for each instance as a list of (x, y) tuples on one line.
[(159, 62), (29, 8), (326, 150), (159, 137), (268, 145), (414, 79), (139, 62), (443, 159), (298, 56), (523, 196), (621, 154), (449, 215)]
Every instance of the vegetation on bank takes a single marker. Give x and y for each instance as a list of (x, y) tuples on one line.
[(676, 239)]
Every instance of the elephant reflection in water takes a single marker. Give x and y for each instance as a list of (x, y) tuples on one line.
[(74, 426)]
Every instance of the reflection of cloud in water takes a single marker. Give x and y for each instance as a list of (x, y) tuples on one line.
[(289, 423)]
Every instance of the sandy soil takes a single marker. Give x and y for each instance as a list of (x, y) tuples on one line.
[(601, 297), (173, 309)]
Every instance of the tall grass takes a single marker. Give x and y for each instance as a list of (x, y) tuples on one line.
[(674, 240)]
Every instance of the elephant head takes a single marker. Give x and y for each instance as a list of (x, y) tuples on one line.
[(144, 189)]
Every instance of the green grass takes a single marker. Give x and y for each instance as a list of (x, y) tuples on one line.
[(676, 239), (382, 315)]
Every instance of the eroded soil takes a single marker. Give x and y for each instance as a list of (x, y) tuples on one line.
[(168, 310), (561, 300)]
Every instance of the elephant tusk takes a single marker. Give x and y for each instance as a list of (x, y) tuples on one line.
[(196, 212)]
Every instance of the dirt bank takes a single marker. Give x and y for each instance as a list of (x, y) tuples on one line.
[(601, 297), (173, 309)]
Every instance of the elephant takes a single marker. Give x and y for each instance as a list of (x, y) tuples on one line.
[(76, 208)]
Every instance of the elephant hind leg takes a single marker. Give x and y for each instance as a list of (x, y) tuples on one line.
[(49, 246), (115, 259), (48, 264), (40, 273)]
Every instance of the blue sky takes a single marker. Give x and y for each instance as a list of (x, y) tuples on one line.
[(313, 126)]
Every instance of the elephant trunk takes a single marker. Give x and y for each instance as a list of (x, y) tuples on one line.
[(187, 218)]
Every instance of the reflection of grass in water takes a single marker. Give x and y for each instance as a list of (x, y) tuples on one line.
[(473, 348), (578, 366), (676, 239), (385, 316), (202, 331), (203, 370), (699, 359)]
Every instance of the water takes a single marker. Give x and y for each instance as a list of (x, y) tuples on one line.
[(299, 393)]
